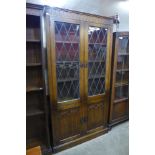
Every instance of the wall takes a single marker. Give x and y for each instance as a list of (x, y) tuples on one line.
[(99, 7)]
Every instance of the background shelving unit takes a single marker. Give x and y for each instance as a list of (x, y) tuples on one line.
[(119, 106), (37, 132)]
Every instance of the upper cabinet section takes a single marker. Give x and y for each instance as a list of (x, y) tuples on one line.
[(79, 54)]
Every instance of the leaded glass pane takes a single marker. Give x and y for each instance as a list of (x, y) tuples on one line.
[(123, 62), (97, 47), (67, 60)]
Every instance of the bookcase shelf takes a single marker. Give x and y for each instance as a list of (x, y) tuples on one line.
[(33, 40), (123, 69), (32, 89), (122, 83), (33, 64), (121, 99), (34, 113)]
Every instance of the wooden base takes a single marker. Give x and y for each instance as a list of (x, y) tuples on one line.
[(79, 140), (118, 121)]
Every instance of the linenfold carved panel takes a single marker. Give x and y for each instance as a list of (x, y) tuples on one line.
[(69, 123), (95, 116)]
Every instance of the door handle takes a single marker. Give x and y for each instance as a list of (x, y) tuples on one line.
[(86, 65), (81, 65), (84, 120)]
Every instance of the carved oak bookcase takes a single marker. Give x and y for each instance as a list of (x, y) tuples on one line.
[(79, 48), (119, 106)]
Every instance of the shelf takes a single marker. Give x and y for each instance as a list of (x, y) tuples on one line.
[(34, 113), (121, 54), (67, 42), (62, 62), (33, 40), (94, 61), (121, 99), (122, 70), (31, 89), (67, 80), (121, 83), (33, 64), (96, 77), (103, 44)]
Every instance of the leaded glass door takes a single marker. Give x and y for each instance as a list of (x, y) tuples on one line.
[(119, 107), (66, 77), (97, 72)]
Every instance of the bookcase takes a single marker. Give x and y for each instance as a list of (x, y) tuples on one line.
[(76, 84), (79, 47), (37, 125), (119, 104)]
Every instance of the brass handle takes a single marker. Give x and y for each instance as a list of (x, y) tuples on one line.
[(86, 65), (81, 65)]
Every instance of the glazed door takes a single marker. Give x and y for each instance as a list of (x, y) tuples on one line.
[(97, 73), (120, 79), (66, 57)]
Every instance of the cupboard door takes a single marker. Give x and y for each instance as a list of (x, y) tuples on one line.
[(120, 78), (66, 79), (122, 69), (97, 74)]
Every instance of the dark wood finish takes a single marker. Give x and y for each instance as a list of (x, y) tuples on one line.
[(119, 103), (36, 113), (76, 120)]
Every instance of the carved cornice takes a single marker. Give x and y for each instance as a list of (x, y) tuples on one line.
[(69, 14)]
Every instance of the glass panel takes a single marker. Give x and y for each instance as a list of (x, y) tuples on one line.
[(121, 92), (122, 76), (67, 60), (123, 45), (123, 62), (96, 60)]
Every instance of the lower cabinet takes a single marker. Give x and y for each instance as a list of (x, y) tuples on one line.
[(79, 50), (119, 103)]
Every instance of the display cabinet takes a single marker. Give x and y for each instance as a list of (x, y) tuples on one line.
[(37, 132), (119, 106), (79, 64)]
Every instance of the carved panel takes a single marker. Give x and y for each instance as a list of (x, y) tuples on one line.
[(95, 115), (120, 109), (69, 123)]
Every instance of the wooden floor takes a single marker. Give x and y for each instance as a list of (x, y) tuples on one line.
[(34, 151)]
